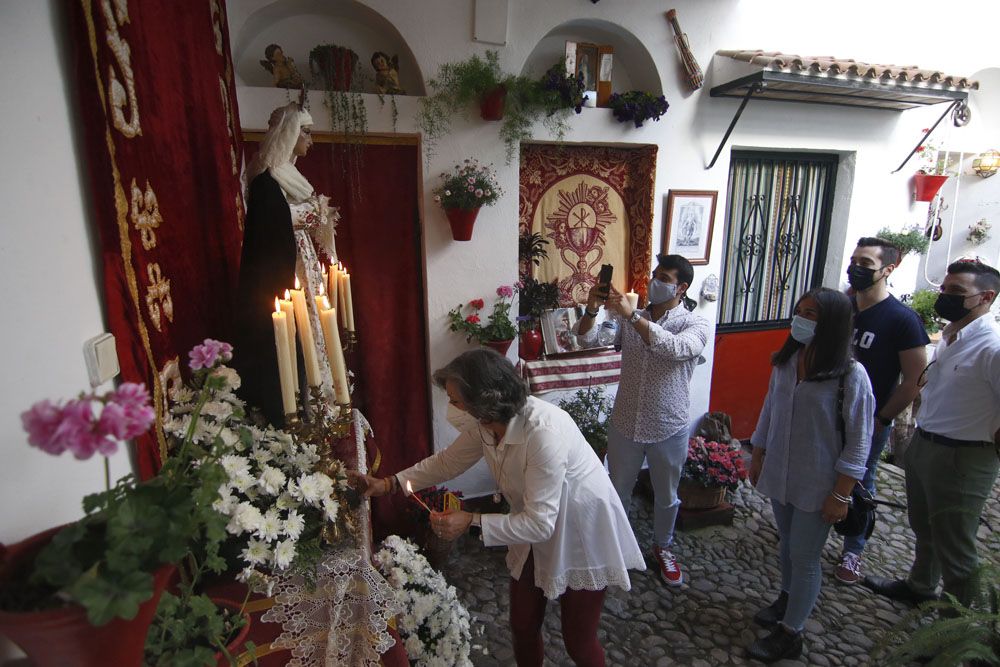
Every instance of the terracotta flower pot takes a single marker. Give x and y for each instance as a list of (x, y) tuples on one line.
[(491, 106), (500, 346), (926, 186), (462, 220), (530, 347), (235, 646), (63, 636)]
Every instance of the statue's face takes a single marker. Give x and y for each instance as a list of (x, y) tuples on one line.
[(304, 143), (278, 56), (381, 64)]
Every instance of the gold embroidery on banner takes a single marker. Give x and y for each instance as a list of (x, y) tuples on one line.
[(120, 96), (121, 208), (216, 11), (224, 93), (158, 296), (239, 211), (146, 216), (170, 378)]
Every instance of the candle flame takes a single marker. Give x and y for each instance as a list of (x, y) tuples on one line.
[(288, 296), (321, 291), (409, 487), (277, 305), (297, 285), (326, 303)]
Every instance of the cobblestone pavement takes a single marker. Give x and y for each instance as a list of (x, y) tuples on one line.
[(730, 572)]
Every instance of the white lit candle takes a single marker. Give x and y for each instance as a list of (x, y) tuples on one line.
[(305, 335), (286, 308), (333, 279), (335, 354), (285, 374), (345, 287), (633, 299)]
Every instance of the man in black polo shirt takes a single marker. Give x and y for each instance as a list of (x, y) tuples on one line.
[(889, 340)]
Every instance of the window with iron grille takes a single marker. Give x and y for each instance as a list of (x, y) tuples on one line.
[(777, 227)]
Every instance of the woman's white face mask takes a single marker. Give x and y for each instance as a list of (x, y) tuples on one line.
[(461, 420)]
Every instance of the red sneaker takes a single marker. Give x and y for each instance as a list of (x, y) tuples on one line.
[(670, 571)]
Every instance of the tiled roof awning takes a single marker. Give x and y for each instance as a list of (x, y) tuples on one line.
[(829, 80)]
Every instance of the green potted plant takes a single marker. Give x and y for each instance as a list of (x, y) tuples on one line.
[(711, 468), (637, 106), (922, 302), (591, 408), (498, 333), (335, 69), (909, 240), (469, 187), (534, 298), (932, 172)]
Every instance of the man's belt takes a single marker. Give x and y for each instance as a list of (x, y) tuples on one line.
[(951, 442)]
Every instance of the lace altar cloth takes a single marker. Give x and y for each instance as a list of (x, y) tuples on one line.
[(342, 620)]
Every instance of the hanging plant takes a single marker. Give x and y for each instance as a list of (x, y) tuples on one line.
[(979, 232), (637, 106), (910, 240), (335, 70)]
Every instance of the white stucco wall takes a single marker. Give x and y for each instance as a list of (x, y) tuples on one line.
[(48, 263)]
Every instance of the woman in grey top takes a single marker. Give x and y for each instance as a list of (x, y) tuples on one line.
[(801, 462)]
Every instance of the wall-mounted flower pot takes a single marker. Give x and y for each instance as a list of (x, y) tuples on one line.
[(500, 346), (926, 186), (491, 106), (462, 221), (334, 65)]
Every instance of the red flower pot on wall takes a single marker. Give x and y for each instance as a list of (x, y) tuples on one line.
[(462, 221), (500, 346), (491, 106), (926, 186), (63, 636)]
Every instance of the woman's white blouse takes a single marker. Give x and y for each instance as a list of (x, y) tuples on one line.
[(562, 503)]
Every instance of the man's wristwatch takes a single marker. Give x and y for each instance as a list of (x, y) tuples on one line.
[(634, 317), (586, 311)]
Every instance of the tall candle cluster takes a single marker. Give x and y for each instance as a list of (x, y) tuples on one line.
[(291, 317)]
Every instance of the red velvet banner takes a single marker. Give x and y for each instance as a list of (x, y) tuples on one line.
[(158, 113)]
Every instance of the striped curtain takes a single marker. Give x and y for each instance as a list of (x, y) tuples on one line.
[(776, 234)]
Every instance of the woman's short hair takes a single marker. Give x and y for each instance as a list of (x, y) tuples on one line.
[(830, 354), (490, 388)]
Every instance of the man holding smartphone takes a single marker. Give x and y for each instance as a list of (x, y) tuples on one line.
[(650, 421)]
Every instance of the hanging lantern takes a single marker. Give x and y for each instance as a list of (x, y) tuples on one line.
[(987, 163)]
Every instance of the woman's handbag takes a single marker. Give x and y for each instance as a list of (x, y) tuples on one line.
[(860, 519)]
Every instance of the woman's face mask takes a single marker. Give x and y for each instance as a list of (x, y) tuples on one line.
[(660, 292), (461, 420), (803, 330)]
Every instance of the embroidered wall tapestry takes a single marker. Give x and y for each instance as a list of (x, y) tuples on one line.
[(594, 204), (159, 123)]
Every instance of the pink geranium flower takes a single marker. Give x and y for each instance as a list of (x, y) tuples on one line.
[(209, 353), (505, 291), (41, 422)]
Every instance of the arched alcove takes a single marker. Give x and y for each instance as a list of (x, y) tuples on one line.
[(633, 67), (299, 25)]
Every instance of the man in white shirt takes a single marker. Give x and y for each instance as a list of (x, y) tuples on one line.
[(952, 461), (660, 349)]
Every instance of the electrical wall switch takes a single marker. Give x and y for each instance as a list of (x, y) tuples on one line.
[(101, 357)]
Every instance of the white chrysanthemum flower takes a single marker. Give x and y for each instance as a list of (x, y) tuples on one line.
[(294, 524), (230, 438), (218, 409), (181, 394), (313, 488), (242, 482), (248, 518), (257, 552), (332, 508), (261, 456), (234, 465), (271, 480), (286, 501), (284, 554), (271, 526), (226, 503), (229, 376)]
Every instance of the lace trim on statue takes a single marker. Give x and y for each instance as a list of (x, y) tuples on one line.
[(591, 579), (342, 621)]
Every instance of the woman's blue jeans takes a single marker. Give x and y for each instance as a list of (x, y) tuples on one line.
[(803, 535)]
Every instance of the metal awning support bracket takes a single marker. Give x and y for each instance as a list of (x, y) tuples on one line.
[(959, 108), (754, 88)]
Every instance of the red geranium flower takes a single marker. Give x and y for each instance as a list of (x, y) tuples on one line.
[(472, 319)]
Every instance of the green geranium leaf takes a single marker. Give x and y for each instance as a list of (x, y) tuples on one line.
[(116, 596)]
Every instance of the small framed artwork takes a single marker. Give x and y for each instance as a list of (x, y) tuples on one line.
[(688, 227), (557, 330), (586, 64)]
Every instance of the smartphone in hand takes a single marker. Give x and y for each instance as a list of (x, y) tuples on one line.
[(604, 279)]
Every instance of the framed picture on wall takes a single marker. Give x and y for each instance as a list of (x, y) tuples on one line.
[(687, 230), (557, 330)]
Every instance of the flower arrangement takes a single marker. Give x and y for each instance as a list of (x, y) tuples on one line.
[(933, 161), (565, 91), (274, 497), (436, 627), (469, 186), (979, 232), (713, 464), (591, 408), (637, 106), (499, 326)]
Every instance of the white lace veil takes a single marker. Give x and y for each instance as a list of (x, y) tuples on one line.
[(276, 153)]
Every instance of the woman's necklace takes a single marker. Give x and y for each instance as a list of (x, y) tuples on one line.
[(496, 495)]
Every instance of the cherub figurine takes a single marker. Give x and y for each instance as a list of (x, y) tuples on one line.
[(387, 74), (283, 71)]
